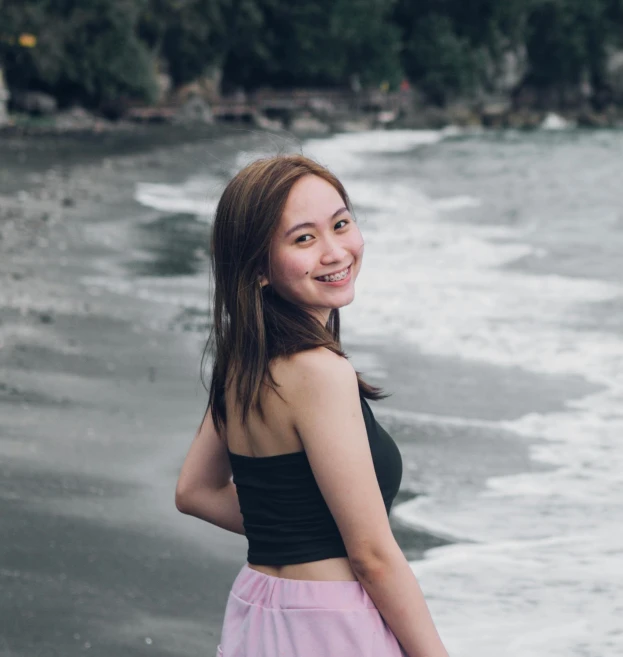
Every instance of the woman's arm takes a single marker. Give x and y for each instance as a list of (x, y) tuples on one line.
[(329, 420), (204, 488), (218, 507)]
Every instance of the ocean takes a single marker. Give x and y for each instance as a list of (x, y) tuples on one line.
[(490, 304)]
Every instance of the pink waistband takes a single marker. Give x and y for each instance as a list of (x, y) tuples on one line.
[(279, 593)]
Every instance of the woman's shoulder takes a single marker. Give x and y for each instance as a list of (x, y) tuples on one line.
[(302, 373)]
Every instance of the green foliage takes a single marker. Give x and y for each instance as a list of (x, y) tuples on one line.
[(189, 35), (90, 55), (568, 40), (448, 45), (99, 51), (314, 43), (443, 63)]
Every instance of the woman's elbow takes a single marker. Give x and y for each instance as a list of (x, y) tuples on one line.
[(182, 499), (373, 561)]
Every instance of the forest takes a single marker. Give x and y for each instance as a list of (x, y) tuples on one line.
[(95, 52)]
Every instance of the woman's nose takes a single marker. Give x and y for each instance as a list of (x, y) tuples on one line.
[(333, 251)]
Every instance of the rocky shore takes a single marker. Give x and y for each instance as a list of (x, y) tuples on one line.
[(312, 112)]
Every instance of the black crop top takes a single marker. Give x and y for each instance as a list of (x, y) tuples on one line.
[(285, 517)]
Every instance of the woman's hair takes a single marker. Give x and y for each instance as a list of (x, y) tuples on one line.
[(253, 324)]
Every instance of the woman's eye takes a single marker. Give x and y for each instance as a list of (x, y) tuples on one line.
[(341, 223), (303, 238)]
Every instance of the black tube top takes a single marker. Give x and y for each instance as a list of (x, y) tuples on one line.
[(285, 517)]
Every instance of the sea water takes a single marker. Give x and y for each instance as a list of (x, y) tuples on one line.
[(506, 250)]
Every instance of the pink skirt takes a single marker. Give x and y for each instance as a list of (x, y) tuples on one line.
[(274, 617)]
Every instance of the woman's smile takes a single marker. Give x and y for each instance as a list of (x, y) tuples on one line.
[(337, 278)]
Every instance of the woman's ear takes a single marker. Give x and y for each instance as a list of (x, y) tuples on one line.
[(263, 280)]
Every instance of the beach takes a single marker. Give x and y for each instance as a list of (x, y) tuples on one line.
[(104, 291), (99, 402)]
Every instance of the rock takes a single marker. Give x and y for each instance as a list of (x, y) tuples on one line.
[(386, 117), (75, 118), (524, 119), (425, 118), (195, 110), (152, 114), (591, 119), (614, 75), (308, 125), (321, 108), (507, 71), (34, 102), (164, 83), (206, 87), (4, 99), (263, 122), (554, 121), (353, 125), (462, 114), (495, 114)]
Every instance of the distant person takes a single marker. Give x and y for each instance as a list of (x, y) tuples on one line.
[(314, 475)]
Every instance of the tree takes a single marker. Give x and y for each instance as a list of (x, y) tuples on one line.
[(568, 40), (313, 43), (189, 35), (83, 54), (449, 45), (441, 62)]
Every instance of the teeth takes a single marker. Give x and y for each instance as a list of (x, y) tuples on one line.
[(331, 278)]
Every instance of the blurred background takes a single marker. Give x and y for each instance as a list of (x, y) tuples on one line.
[(481, 144)]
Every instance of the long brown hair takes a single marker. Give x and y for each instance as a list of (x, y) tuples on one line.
[(253, 324)]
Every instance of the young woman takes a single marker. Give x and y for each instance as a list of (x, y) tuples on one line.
[(314, 475)]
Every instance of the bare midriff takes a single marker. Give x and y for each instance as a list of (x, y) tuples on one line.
[(336, 570)]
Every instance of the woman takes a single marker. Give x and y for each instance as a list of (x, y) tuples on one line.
[(314, 475)]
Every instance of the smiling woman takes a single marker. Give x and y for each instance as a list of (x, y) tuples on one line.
[(315, 263), (314, 474)]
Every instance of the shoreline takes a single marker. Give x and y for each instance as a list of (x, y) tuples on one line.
[(100, 399), (317, 118)]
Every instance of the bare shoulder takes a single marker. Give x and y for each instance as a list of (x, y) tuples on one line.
[(314, 371), (327, 415)]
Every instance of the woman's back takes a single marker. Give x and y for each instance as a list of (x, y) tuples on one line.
[(272, 435), (275, 432)]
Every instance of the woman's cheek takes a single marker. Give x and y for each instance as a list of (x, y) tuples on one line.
[(288, 271), (359, 246), (296, 269)]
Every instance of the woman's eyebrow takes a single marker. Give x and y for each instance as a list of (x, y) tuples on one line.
[(311, 224)]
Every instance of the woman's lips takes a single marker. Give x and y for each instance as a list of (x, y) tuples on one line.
[(339, 281)]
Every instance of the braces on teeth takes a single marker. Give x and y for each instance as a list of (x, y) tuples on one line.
[(334, 277)]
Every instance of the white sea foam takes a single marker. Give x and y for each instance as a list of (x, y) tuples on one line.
[(191, 197), (346, 153), (543, 575), (456, 203), (430, 418), (377, 141)]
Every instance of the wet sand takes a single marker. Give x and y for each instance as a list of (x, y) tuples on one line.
[(97, 408)]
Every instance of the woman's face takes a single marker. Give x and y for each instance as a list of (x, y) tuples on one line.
[(316, 253)]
